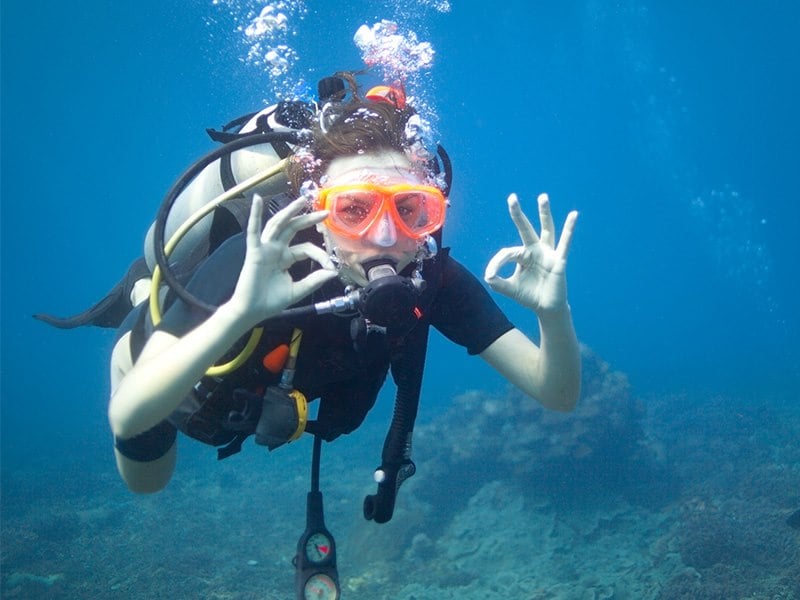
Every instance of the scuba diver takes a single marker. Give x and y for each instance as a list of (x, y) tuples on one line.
[(334, 283), (373, 209)]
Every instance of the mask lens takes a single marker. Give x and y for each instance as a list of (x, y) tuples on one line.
[(353, 210), (418, 209)]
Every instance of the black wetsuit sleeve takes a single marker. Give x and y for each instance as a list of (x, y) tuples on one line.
[(148, 445), (213, 282), (465, 312)]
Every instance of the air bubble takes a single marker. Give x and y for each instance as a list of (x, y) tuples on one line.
[(265, 29)]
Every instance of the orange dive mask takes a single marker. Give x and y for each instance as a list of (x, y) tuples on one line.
[(416, 210)]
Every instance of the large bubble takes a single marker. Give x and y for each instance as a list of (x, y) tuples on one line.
[(407, 26), (265, 29), (398, 54), (399, 57), (391, 47)]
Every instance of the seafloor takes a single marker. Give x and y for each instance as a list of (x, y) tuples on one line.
[(660, 498)]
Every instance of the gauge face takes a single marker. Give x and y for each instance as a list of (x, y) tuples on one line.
[(318, 547), (320, 587)]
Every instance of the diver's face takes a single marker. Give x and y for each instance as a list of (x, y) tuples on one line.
[(383, 240)]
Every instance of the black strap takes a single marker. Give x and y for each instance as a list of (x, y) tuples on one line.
[(148, 445), (140, 331), (233, 447), (447, 165), (230, 131), (226, 172), (224, 225)]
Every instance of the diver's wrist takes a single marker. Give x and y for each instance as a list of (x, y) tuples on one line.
[(555, 314), (233, 316)]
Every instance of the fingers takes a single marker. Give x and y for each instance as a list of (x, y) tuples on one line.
[(566, 234), (526, 231), (254, 221), (546, 219), (286, 222), (305, 250), (285, 233), (498, 284), (312, 282), (548, 235), (503, 257), (283, 217)]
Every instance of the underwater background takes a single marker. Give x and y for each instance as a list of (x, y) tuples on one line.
[(671, 126)]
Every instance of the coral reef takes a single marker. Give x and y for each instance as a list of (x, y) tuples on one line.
[(600, 446), (672, 499), (725, 582), (740, 466), (731, 534)]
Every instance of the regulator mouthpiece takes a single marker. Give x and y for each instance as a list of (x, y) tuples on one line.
[(379, 268), (388, 299)]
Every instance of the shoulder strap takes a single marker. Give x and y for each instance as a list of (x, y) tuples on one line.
[(230, 131)]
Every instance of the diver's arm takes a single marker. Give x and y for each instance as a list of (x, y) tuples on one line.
[(140, 476), (169, 367), (549, 372), (147, 477), (167, 370), (150, 391)]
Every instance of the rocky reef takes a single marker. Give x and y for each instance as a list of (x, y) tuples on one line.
[(620, 499), (681, 497), (602, 445)]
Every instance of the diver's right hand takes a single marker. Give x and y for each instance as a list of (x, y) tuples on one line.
[(265, 286)]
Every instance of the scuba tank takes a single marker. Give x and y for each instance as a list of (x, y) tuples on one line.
[(252, 144), (223, 173)]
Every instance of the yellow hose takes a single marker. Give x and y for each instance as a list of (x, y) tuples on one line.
[(155, 308)]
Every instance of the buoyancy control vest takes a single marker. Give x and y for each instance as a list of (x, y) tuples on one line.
[(224, 411)]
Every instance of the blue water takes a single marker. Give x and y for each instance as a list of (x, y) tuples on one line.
[(672, 128)]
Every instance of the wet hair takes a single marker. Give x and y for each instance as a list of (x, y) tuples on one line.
[(348, 128)]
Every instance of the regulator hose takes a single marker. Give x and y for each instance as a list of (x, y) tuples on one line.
[(159, 232), (397, 465)]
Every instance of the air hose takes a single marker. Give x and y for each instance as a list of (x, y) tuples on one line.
[(397, 465), (162, 250), (159, 246), (155, 310)]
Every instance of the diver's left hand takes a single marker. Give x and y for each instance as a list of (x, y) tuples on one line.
[(539, 280)]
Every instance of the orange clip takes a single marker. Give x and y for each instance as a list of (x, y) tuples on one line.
[(274, 360)]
